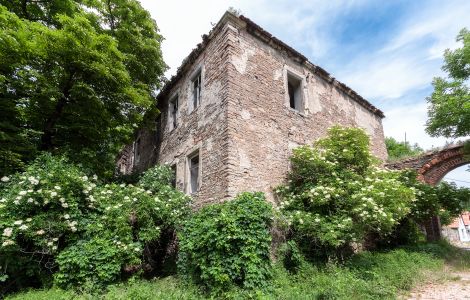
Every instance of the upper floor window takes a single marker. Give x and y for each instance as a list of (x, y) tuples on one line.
[(196, 89), (173, 112), (294, 89)]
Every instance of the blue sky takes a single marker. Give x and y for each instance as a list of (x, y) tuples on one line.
[(387, 51)]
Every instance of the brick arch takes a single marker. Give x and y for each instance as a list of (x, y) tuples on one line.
[(432, 167)]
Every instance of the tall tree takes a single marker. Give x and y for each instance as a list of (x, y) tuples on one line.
[(397, 150), (449, 104), (76, 78)]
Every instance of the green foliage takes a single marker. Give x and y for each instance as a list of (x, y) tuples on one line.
[(55, 219), (397, 150), (76, 78), (453, 201), (449, 104), (380, 275), (336, 196), (42, 211), (130, 231), (88, 264), (445, 200), (227, 244)]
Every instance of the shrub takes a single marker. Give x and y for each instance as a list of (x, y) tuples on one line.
[(227, 244), (42, 211), (130, 232), (56, 219), (445, 200), (337, 196)]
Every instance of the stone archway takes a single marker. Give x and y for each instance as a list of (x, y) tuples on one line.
[(432, 166)]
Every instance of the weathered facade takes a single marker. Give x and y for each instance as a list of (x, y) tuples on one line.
[(238, 105)]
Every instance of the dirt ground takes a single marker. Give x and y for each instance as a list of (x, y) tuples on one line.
[(455, 286), (452, 285)]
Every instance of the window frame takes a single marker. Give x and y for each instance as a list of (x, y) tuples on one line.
[(137, 154), (290, 75), (196, 76), (173, 116), (189, 183)]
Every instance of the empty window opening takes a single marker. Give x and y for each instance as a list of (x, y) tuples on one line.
[(294, 88), (174, 112), (196, 90), (137, 151), (194, 173), (173, 179)]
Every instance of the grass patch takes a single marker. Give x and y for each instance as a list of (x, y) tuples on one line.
[(369, 275), (457, 258)]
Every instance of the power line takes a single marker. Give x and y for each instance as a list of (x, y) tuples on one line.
[(457, 180)]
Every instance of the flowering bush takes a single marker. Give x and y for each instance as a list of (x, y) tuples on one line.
[(130, 232), (42, 211), (228, 244), (444, 200), (54, 218), (337, 196)]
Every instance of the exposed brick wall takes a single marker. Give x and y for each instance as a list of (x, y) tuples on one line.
[(244, 128), (263, 128), (434, 165), (203, 129)]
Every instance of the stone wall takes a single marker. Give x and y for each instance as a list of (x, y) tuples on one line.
[(244, 128), (432, 166), (263, 129), (203, 129)]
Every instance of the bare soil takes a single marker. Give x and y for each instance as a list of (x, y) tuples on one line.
[(452, 285)]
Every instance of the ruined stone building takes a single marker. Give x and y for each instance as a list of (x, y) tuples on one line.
[(238, 105)]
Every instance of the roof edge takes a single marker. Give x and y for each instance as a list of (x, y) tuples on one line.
[(258, 32)]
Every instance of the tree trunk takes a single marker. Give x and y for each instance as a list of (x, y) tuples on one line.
[(48, 131)]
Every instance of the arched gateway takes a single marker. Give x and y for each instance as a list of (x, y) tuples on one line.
[(432, 166)]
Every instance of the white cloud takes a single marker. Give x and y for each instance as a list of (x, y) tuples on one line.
[(412, 57), (299, 23), (410, 119), (388, 77), (182, 23), (440, 22)]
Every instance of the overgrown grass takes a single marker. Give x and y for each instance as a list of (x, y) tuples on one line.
[(378, 275), (457, 258)]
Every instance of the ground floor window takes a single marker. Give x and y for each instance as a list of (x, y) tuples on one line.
[(193, 163)]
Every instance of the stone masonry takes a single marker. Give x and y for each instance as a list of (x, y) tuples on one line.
[(246, 125)]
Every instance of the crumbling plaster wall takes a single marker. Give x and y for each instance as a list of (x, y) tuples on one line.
[(203, 129), (262, 127)]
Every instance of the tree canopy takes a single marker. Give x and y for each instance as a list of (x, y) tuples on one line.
[(397, 150), (449, 104), (76, 78)]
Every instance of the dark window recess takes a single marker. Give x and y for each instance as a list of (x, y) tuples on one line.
[(137, 151), (173, 179), (294, 88), (197, 90), (174, 112), (194, 173)]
